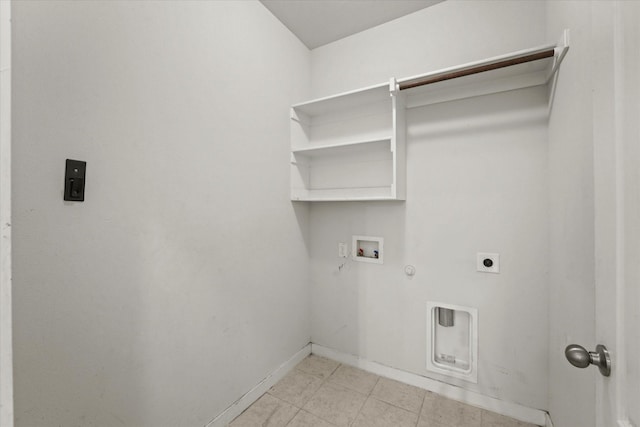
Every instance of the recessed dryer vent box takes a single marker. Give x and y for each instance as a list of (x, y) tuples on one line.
[(368, 249), (452, 340)]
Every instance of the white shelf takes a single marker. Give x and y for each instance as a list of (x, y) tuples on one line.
[(351, 146), (344, 194), (519, 76), (363, 171), (334, 124), (344, 148), (344, 101)]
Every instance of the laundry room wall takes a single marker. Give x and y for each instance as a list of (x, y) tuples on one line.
[(477, 181), (182, 279)]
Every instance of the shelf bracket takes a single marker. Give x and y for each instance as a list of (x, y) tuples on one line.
[(394, 88), (560, 51), (299, 117), (552, 79)]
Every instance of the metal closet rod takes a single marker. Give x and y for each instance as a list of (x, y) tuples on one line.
[(421, 81)]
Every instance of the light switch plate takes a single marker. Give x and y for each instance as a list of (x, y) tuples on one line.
[(74, 180), (487, 262)]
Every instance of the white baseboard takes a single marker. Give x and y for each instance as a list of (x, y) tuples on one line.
[(621, 423), (509, 409), (262, 387)]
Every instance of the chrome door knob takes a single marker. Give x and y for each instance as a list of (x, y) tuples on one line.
[(579, 357)]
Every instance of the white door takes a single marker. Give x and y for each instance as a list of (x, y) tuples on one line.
[(617, 209)]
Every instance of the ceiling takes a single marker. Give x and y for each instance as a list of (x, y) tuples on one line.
[(318, 22)]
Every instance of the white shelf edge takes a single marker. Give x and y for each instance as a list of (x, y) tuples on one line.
[(340, 95), (345, 199), (340, 145), (320, 195)]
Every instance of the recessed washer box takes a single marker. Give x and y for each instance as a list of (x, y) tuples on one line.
[(368, 249)]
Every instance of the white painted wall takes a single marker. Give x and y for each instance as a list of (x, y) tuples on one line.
[(476, 182), (6, 347), (571, 249), (181, 281)]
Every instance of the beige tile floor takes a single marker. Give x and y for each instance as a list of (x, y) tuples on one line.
[(322, 393)]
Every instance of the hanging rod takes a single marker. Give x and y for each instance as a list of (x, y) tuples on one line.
[(478, 68)]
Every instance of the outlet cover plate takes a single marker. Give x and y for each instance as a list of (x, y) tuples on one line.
[(343, 251), (494, 262)]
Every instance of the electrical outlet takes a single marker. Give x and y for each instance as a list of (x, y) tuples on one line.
[(343, 251), (488, 262)]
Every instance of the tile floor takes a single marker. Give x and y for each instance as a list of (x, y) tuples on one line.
[(322, 393)]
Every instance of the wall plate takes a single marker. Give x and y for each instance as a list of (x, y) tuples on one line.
[(74, 180), (343, 250), (488, 262)]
